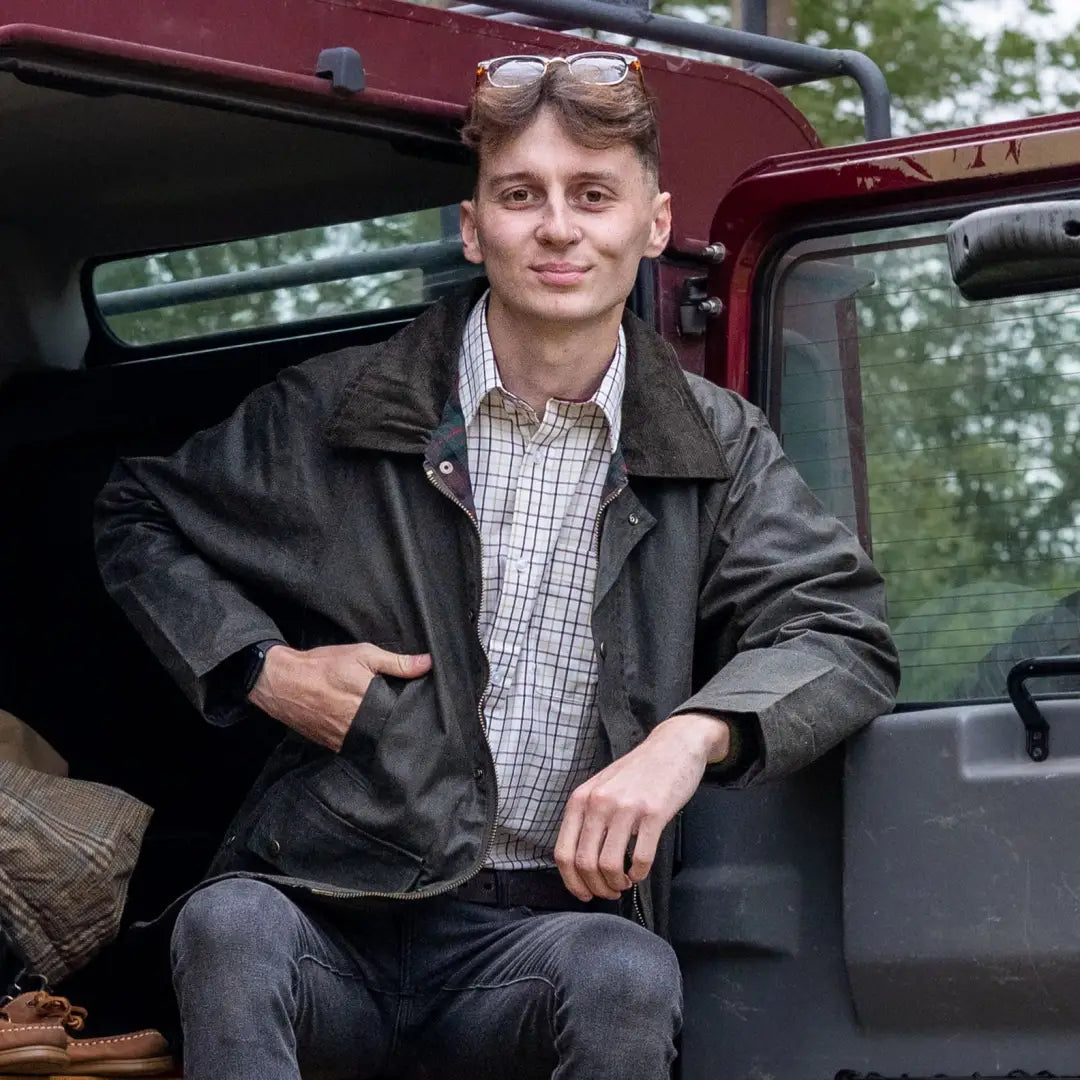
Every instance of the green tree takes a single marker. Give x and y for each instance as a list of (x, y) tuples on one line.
[(944, 67)]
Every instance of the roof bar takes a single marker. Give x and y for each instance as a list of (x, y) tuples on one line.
[(784, 62), (434, 255)]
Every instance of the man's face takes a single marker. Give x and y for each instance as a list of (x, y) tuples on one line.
[(561, 228)]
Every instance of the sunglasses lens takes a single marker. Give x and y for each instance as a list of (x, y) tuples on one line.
[(515, 71), (598, 69)]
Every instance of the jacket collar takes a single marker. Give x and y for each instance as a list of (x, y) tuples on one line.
[(395, 400)]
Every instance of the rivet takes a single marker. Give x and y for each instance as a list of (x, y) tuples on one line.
[(446, 467)]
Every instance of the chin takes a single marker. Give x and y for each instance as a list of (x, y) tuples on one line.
[(566, 306)]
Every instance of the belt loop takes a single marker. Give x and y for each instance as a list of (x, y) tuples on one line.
[(502, 888)]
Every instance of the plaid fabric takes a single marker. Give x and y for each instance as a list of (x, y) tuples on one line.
[(69, 849), (537, 485)]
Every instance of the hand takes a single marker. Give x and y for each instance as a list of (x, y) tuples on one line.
[(318, 691), (633, 799)]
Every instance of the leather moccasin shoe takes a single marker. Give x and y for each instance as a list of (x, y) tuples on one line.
[(33, 1049), (137, 1053)]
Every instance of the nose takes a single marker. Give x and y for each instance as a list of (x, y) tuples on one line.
[(557, 227)]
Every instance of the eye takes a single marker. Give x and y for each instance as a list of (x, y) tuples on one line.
[(594, 196), (517, 196)]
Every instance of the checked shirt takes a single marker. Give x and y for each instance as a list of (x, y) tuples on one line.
[(537, 484)]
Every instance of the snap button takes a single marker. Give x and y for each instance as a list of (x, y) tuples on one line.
[(603, 649), (478, 774), (633, 519), (275, 847), (446, 467)]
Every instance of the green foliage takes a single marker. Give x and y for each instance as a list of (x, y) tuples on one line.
[(945, 68), (272, 307), (969, 415)]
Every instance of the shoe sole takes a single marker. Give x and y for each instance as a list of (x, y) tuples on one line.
[(34, 1060), (155, 1066)]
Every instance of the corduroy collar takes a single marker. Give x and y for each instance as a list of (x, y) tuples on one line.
[(396, 399)]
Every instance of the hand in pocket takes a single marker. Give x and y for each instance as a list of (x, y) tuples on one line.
[(317, 692)]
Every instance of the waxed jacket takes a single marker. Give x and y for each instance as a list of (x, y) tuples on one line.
[(334, 506)]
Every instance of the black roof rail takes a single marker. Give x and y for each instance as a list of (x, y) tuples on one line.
[(780, 62)]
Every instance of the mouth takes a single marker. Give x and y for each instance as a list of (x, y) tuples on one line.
[(559, 273)]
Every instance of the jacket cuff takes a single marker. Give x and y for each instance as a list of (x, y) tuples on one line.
[(227, 686), (744, 746)]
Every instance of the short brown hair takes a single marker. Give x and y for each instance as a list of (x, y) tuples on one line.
[(593, 115)]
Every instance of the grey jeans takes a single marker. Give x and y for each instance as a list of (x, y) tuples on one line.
[(269, 990)]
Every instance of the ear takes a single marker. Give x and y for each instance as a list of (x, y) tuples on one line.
[(470, 235), (660, 226)]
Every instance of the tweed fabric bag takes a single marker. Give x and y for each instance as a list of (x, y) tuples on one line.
[(69, 848)]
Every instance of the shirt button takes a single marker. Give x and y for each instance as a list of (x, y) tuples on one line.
[(446, 467), (633, 519)]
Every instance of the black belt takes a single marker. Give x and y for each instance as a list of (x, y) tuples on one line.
[(540, 889)]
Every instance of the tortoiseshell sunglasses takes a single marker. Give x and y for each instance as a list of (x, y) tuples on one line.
[(597, 68)]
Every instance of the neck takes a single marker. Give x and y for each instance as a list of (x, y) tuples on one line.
[(542, 360)]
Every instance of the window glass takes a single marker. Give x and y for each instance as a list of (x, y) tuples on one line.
[(944, 433), (268, 281)]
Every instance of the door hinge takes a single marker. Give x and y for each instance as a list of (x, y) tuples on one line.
[(697, 307)]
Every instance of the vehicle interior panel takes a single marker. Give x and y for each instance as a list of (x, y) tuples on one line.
[(71, 665)]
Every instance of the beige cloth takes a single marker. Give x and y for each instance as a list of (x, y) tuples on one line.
[(21, 744), (67, 850)]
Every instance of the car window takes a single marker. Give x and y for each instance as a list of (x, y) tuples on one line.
[(267, 281), (944, 434)]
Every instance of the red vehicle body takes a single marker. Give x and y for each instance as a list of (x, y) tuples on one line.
[(907, 907)]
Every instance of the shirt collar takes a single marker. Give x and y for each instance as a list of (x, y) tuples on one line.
[(478, 374)]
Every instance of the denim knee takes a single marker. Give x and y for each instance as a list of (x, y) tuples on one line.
[(224, 920), (610, 959)]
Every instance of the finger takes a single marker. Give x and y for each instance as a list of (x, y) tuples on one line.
[(566, 847), (612, 860), (594, 830), (403, 665), (648, 836)]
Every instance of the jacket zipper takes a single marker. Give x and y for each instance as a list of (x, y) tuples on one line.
[(449, 886), (604, 504)]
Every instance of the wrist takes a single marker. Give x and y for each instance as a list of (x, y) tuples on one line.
[(268, 660), (709, 733)]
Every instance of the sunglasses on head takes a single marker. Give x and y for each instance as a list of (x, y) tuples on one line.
[(595, 68)]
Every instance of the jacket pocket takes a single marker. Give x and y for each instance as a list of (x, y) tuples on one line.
[(372, 817), (325, 823), (362, 738)]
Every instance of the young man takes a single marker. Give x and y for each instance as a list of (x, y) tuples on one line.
[(534, 583)]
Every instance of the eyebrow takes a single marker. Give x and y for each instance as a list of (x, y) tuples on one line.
[(592, 176)]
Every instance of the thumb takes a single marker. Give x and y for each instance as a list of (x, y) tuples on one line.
[(403, 665)]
